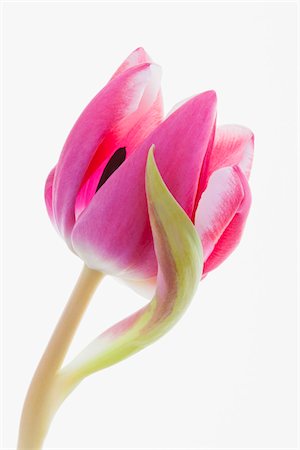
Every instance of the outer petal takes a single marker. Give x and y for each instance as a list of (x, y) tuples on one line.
[(113, 234), (221, 214), (108, 116), (136, 134), (137, 127), (154, 116), (233, 146), (179, 255), (48, 194)]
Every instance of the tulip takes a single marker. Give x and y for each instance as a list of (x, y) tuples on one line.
[(96, 194), (160, 233)]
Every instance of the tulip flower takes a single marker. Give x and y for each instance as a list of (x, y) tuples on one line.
[(157, 203), (96, 194)]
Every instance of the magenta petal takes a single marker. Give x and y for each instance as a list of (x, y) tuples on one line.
[(221, 214), (48, 193), (233, 146), (113, 111), (113, 234), (138, 56)]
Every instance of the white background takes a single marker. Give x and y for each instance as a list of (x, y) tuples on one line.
[(225, 376)]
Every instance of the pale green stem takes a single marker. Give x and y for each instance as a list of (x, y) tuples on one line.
[(44, 396)]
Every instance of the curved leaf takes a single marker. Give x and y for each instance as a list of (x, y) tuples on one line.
[(180, 262)]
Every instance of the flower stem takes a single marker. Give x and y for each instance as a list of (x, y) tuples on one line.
[(43, 397)]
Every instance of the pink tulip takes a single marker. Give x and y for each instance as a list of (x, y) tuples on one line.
[(96, 197), (131, 195)]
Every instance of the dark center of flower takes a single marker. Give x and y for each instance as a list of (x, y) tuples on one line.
[(115, 161)]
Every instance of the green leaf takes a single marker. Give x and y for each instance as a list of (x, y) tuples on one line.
[(180, 262)]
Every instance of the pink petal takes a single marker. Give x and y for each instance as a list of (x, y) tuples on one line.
[(104, 123), (221, 214), (138, 56), (233, 146), (112, 141), (113, 233), (48, 193)]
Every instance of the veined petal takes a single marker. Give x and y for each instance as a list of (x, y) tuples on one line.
[(131, 131), (233, 146), (103, 125), (113, 234), (232, 234), (179, 254), (221, 214), (138, 56), (136, 134)]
